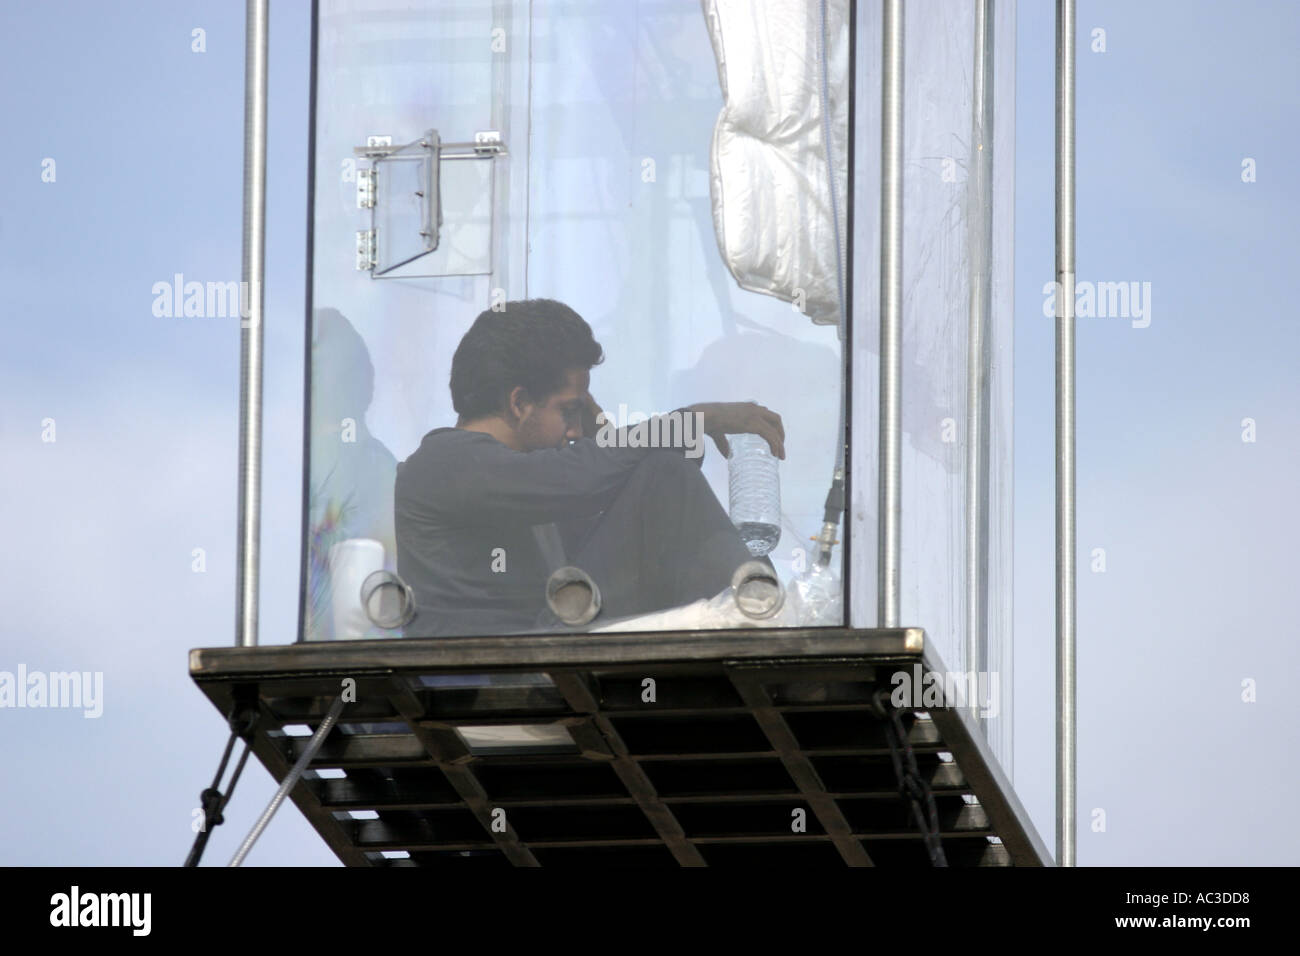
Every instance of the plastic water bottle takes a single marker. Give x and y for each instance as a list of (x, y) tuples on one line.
[(755, 491)]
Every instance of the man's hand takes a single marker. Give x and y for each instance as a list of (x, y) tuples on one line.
[(741, 418)]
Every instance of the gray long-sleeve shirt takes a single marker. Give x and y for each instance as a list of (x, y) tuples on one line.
[(465, 507)]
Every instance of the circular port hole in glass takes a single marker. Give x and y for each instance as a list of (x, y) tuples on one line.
[(573, 596), (388, 600), (758, 591)]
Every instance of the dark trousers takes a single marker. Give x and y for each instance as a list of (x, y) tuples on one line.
[(665, 541)]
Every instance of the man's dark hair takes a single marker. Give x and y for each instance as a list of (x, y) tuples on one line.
[(532, 343)]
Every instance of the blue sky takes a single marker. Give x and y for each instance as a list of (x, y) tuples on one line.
[(1196, 524)]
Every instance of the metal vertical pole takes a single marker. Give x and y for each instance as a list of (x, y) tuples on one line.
[(250, 331), (891, 310), (1065, 547), (503, 263), (980, 241)]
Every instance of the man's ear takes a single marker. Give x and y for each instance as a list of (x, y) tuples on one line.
[(518, 403)]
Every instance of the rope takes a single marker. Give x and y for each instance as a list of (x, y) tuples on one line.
[(211, 800)]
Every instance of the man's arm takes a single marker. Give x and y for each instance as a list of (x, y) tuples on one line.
[(686, 440), (576, 480), (581, 478), (719, 420)]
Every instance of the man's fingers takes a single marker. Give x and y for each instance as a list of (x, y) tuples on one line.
[(771, 417), (775, 419), (740, 418), (775, 440), (772, 428)]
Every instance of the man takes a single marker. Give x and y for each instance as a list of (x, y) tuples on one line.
[(522, 485)]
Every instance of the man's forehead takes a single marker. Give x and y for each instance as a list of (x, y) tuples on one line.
[(576, 383)]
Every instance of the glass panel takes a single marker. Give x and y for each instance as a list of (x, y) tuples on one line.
[(696, 236), (945, 247)]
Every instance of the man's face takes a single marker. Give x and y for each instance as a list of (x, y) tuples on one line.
[(558, 419)]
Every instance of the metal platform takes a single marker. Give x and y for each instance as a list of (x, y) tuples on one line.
[(746, 729)]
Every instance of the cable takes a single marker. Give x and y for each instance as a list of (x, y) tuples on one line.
[(308, 754)]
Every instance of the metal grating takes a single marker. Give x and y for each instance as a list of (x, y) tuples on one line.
[(545, 750)]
